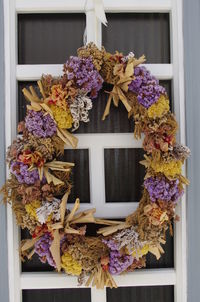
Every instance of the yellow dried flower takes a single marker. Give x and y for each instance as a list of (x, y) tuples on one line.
[(49, 217), (160, 108), (70, 265), (32, 207), (62, 117), (141, 252), (171, 168)]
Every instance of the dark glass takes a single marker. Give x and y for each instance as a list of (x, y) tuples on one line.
[(168, 87), (167, 259), (124, 174), (79, 175), (57, 295), (141, 294), (49, 38), (141, 33)]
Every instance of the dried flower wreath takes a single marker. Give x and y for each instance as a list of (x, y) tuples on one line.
[(38, 178)]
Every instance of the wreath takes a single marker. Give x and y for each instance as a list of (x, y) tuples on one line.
[(38, 178)]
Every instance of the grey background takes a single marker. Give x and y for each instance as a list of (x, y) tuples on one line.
[(192, 88), (191, 25), (3, 247)]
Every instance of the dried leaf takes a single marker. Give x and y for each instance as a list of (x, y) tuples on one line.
[(107, 109), (63, 206), (112, 229), (55, 249), (129, 70), (29, 243)]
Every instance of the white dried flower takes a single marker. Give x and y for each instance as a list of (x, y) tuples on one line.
[(79, 110), (128, 238), (128, 57), (47, 209)]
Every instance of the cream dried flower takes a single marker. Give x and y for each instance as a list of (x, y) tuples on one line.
[(79, 110), (47, 209), (129, 239)]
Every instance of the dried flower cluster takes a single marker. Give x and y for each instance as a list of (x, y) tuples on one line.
[(39, 183)]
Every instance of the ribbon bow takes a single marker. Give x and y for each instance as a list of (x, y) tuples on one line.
[(125, 77), (99, 11), (98, 8)]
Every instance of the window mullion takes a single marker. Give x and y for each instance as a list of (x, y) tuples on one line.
[(98, 295), (33, 72)]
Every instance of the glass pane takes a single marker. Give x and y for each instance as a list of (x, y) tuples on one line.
[(80, 174), (168, 86), (167, 259), (49, 38), (57, 295), (141, 294), (124, 174), (141, 33)]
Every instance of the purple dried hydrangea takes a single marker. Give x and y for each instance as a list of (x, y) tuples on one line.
[(42, 248), (119, 263), (83, 72), (146, 87), (23, 175), (113, 245), (163, 189), (40, 124)]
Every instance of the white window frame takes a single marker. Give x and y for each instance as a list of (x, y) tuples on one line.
[(95, 143)]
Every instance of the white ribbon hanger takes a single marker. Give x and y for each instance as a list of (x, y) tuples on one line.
[(96, 7), (100, 12)]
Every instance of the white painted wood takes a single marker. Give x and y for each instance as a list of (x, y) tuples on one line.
[(115, 209), (50, 6), (150, 277), (97, 183), (138, 278), (98, 295), (108, 210), (137, 5), (10, 132), (180, 292), (107, 140), (34, 72)]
